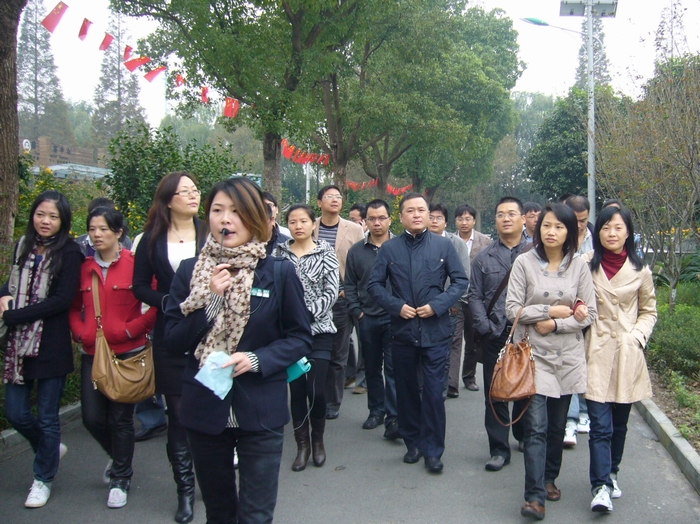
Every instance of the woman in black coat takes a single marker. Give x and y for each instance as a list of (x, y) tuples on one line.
[(39, 348), (229, 304), (171, 235)]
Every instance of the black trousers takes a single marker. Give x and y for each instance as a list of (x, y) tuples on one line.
[(110, 423), (497, 433), (259, 456), (335, 379)]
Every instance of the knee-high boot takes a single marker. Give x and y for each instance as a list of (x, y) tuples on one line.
[(181, 462), (301, 435), (318, 427)]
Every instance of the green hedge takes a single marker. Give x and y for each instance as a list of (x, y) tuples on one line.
[(674, 343)]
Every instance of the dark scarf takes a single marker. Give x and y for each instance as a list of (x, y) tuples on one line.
[(612, 262)]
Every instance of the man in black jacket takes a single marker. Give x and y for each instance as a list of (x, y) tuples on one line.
[(373, 322), (491, 267), (417, 263)]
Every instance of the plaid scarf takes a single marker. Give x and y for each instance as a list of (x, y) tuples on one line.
[(24, 339), (232, 318)]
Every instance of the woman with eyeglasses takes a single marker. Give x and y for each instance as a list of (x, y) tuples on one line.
[(550, 287), (171, 235), (236, 304), (317, 267)]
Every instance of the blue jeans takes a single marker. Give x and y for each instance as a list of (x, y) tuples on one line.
[(43, 431), (606, 441), (577, 406), (151, 412), (544, 420), (375, 340), (259, 457), (421, 417)]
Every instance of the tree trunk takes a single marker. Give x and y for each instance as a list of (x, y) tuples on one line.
[(340, 174), (272, 164), (10, 11)]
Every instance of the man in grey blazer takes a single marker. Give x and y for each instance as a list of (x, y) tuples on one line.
[(341, 234), (465, 220)]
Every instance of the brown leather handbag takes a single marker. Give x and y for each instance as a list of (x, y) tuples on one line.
[(128, 381), (514, 373)]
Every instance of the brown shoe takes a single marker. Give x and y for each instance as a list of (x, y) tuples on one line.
[(359, 390), (553, 493), (533, 509)]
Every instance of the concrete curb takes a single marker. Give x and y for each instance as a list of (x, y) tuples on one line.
[(12, 442), (685, 455)]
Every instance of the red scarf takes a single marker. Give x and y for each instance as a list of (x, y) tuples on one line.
[(612, 262)]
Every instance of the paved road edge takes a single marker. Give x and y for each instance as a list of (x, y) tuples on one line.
[(12, 442), (684, 455)]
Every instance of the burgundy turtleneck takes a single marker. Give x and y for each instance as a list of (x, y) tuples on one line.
[(612, 262)]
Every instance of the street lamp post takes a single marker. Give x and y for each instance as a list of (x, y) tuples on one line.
[(578, 8)]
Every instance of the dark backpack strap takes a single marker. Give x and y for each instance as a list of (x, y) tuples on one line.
[(504, 283)]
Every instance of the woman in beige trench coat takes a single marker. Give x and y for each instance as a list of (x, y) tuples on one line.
[(617, 370), (554, 289)]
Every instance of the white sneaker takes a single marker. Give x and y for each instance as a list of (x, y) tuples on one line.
[(570, 434), (616, 492), (62, 450), (584, 424), (39, 494), (117, 498), (107, 474), (601, 502)]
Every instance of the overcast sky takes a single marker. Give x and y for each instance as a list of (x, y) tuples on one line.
[(550, 55)]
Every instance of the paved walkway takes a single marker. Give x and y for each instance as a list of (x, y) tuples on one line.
[(364, 480)]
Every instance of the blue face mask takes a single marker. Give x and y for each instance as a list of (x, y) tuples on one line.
[(213, 376)]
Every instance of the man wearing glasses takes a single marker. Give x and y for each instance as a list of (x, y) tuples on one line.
[(492, 267), (438, 223), (341, 234), (373, 321)]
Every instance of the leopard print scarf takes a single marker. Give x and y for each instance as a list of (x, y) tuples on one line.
[(232, 318)]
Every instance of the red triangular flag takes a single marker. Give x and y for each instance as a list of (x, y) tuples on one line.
[(84, 29), (54, 17), (127, 52), (154, 73), (135, 63), (228, 108), (106, 41), (179, 80), (205, 95)]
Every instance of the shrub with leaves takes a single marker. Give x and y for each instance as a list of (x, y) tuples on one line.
[(673, 345)]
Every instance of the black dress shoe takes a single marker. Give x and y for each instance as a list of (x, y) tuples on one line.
[(392, 430), (332, 414), (373, 421), (433, 464), (452, 392), (145, 434), (471, 386), (412, 456)]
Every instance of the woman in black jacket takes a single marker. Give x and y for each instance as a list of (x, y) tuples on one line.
[(39, 348), (229, 304), (171, 235)]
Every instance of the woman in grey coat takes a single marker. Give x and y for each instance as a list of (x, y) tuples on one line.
[(553, 288)]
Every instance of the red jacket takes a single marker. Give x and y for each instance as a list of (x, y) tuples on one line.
[(124, 326)]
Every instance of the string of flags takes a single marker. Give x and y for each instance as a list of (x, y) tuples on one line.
[(299, 156), (51, 21), (395, 191)]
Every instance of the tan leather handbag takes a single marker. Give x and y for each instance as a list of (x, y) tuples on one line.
[(128, 381), (514, 373)]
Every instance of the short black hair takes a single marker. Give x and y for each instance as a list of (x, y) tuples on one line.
[(376, 204), (411, 196), (359, 206), (100, 202), (440, 208), (605, 216), (563, 197), (612, 202), (507, 199), (531, 206), (465, 208), (565, 215), (578, 203), (325, 189), (269, 196), (309, 211)]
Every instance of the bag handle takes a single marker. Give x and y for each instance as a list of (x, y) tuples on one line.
[(522, 412), (96, 299)]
